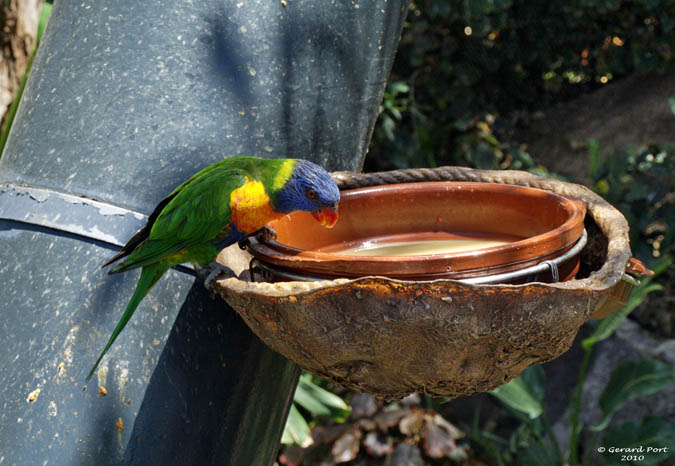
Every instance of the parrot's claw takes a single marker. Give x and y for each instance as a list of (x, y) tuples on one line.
[(214, 269), (265, 233)]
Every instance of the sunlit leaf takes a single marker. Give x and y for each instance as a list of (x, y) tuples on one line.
[(296, 429), (395, 113), (398, 87), (518, 396), (319, 401)]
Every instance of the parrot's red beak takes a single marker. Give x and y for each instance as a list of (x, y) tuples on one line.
[(326, 217)]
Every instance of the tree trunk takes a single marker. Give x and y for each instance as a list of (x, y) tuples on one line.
[(18, 27)]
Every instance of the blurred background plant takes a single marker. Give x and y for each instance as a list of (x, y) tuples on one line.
[(468, 74)]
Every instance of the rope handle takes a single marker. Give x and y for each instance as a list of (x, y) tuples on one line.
[(353, 180)]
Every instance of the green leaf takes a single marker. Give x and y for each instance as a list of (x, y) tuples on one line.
[(539, 452), (629, 381), (535, 380), (488, 445), (602, 187), (11, 112), (296, 429), (319, 401), (483, 156), (398, 87), (653, 437), (464, 124), (519, 396), (609, 324), (490, 139), (388, 127), (671, 102), (594, 156), (522, 160), (395, 113), (45, 12)]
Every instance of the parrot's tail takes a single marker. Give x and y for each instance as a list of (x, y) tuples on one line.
[(149, 276)]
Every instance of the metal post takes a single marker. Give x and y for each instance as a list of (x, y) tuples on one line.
[(126, 100)]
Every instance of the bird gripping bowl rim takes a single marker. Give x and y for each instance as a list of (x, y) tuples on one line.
[(376, 335)]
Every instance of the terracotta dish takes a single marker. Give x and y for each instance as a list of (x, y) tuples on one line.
[(538, 225)]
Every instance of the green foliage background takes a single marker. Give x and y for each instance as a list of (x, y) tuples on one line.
[(468, 72)]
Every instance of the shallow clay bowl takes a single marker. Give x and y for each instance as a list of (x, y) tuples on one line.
[(540, 225)]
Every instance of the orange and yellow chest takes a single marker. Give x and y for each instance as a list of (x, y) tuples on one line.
[(251, 208)]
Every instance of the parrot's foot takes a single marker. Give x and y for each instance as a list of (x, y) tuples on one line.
[(214, 269), (264, 233)]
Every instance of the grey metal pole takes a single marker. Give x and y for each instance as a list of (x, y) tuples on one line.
[(125, 101)]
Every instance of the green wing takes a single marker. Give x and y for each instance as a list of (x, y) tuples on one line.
[(196, 213)]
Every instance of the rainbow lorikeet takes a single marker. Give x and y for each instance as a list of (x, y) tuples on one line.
[(218, 206)]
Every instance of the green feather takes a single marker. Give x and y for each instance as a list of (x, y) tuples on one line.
[(149, 276), (184, 226)]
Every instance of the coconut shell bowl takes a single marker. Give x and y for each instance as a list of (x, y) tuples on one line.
[(444, 323)]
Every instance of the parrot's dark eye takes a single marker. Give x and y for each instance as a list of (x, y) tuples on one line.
[(311, 194)]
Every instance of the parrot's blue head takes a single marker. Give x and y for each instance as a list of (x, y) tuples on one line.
[(310, 188)]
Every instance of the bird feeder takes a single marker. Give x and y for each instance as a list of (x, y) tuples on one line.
[(393, 335)]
